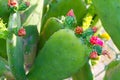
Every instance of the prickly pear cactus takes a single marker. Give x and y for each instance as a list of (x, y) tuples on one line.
[(62, 50), (57, 8), (14, 48), (3, 63), (5, 69), (108, 11), (52, 25), (113, 71), (44, 42), (84, 73), (4, 11), (3, 48), (32, 16)]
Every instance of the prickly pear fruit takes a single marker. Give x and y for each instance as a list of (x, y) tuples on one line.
[(113, 71), (52, 25), (108, 11), (62, 55), (61, 7), (21, 32), (15, 48), (84, 73)]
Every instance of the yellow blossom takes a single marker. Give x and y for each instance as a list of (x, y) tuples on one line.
[(105, 35)]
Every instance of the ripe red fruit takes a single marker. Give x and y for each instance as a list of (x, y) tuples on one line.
[(27, 3), (93, 40), (78, 30), (12, 3), (93, 55), (94, 29), (71, 13), (21, 32)]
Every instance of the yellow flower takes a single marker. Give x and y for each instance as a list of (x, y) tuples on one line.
[(105, 35), (87, 21)]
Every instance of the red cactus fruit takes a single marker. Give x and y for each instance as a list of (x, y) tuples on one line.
[(21, 32), (93, 55), (78, 30), (70, 13)]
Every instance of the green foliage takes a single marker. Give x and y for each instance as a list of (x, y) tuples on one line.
[(61, 7), (108, 11), (52, 25), (62, 55), (3, 52), (3, 66), (33, 15), (4, 12), (84, 73), (62, 52), (15, 48), (113, 71)]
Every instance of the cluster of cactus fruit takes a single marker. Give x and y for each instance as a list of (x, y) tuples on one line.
[(56, 39)]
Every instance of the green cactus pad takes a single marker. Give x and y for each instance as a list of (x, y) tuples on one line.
[(113, 71), (3, 66), (52, 25), (15, 48), (61, 7), (84, 73), (109, 13), (4, 12), (62, 55)]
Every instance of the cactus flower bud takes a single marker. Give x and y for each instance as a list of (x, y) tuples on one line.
[(27, 4), (78, 30), (21, 32), (99, 42), (95, 40), (94, 29), (93, 55), (12, 3), (71, 13)]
